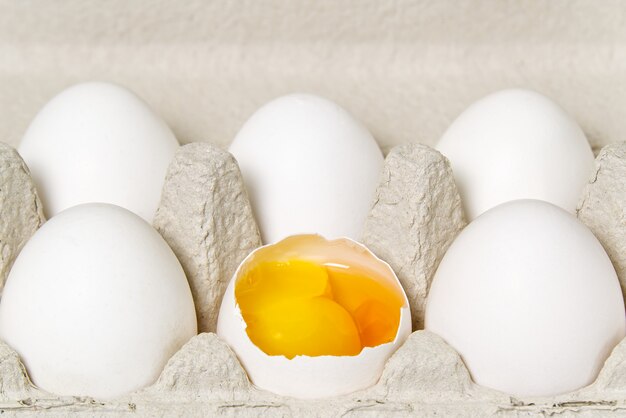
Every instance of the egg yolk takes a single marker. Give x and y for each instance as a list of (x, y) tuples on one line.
[(299, 307)]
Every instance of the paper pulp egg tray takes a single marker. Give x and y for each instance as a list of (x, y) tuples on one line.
[(206, 218), (405, 68)]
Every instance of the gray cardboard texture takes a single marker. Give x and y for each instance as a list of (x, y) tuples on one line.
[(603, 205), (416, 215), (206, 218), (21, 212)]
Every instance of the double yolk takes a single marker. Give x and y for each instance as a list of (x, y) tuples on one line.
[(299, 307)]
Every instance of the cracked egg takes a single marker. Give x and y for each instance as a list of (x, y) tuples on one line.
[(311, 318)]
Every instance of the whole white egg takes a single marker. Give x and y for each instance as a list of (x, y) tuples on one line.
[(517, 144), (96, 303), (303, 376), (309, 167), (98, 142), (528, 297)]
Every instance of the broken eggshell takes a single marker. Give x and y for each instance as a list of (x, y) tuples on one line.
[(308, 377)]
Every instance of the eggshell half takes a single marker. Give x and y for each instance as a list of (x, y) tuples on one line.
[(309, 167), (96, 303), (98, 142), (312, 377), (528, 297)]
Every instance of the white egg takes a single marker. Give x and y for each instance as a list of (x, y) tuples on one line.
[(98, 142), (96, 303), (302, 376), (309, 167), (517, 144), (528, 297)]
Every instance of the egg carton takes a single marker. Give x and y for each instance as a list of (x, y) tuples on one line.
[(206, 218)]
